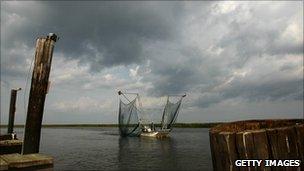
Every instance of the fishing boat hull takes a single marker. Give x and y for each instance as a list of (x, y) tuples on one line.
[(155, 134)]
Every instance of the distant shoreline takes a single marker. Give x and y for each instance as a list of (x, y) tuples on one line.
[(176, 125)]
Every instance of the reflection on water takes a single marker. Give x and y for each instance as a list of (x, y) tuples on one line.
[(104, 149), (147, 153)]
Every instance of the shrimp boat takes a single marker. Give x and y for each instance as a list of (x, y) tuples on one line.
[(157, 134), (131, 124)]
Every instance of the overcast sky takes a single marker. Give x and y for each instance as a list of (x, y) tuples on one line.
[(235, 60)]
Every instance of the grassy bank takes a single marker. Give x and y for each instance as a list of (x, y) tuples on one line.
[(177, 125)]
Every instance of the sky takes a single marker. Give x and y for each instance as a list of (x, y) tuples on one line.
[(235, 60)]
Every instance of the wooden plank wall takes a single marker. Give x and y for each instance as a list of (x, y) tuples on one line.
[(266, 139)]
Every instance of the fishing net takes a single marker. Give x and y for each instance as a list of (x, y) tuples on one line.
[(133, 118), (170, 114), (128, 119)]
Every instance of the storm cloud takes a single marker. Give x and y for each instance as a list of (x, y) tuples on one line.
[(219, 53), (102, 34)]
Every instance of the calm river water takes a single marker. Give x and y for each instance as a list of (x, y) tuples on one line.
[(103, 149)]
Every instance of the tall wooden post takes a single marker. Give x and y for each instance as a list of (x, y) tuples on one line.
[(39, 86), (12, 110)]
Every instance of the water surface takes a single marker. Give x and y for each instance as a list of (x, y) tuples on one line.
[(103, 149)]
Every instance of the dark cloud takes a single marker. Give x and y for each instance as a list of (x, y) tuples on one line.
[(193, 47), (174, 80), (284, 90), (264, 32), (254, 38), (208, 99), (252, 41), (253, 92), (103, 34)]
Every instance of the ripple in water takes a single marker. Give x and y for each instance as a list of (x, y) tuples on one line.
[(103, 149)]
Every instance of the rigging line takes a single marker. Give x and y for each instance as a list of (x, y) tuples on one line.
[(129, 93), (130, 102), (126, 97), (26, 84), (138, 99), (143, 112), (183, 95)]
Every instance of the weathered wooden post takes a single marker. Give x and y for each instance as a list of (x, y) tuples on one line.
[(257, 139), (39, 87), (12, 110)]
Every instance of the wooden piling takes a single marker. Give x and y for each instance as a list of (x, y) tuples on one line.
[(12, 110), (39, 86), (257, 139), (300, 140)]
